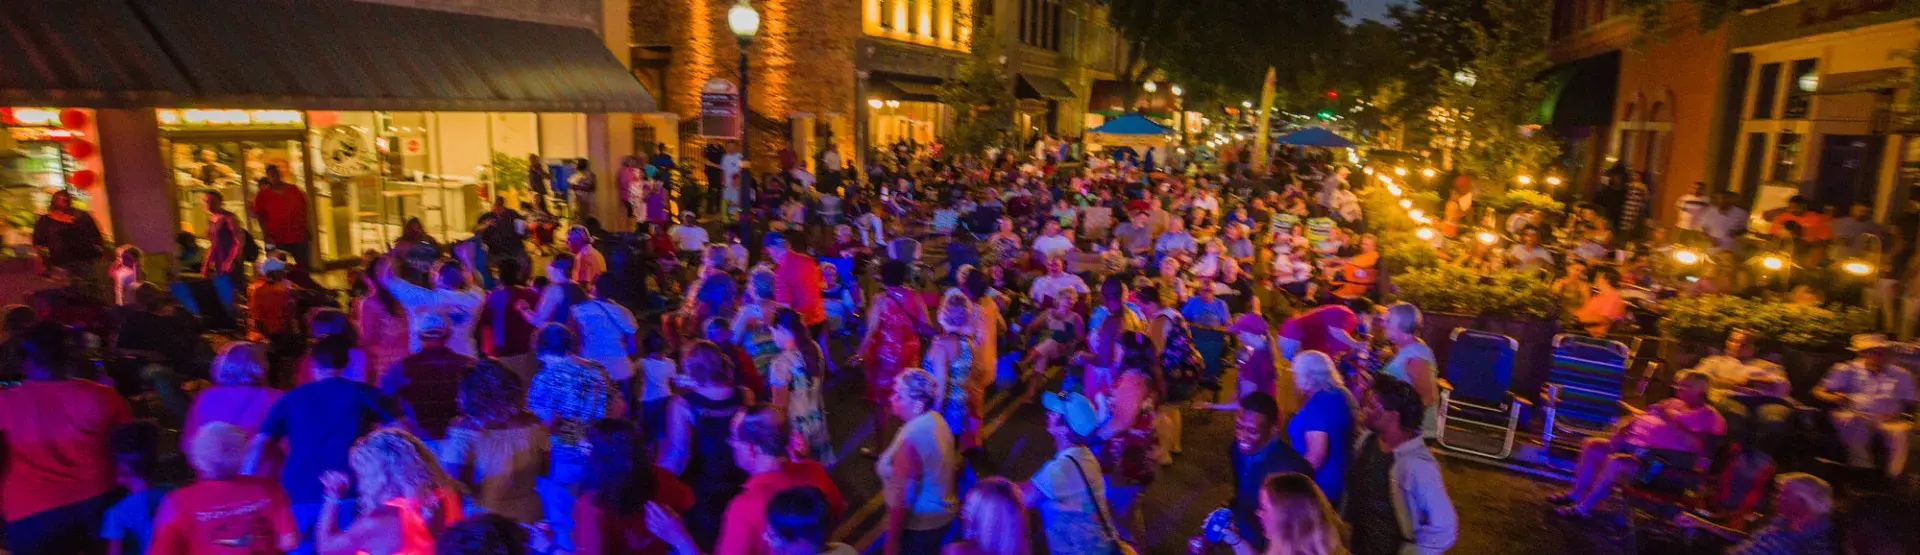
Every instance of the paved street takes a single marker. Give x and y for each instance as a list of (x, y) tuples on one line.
[(1501, 512)]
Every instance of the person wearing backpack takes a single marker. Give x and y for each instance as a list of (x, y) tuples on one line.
[(1180, 366)]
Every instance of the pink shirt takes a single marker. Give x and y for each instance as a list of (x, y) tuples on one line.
[(1313, 329), (244, 406), (1685, 432)]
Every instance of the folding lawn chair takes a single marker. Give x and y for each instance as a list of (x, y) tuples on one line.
[(1478, 388), (1584, 388)]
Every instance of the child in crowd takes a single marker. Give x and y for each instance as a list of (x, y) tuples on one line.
[(656, 389), (128, 526), (842, 304)]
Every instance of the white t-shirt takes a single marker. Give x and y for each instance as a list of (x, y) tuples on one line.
[(1691, 206), (1721, 225), (604, 329), (1052, 245), (1530, 258), (659, 373), (730, 163), (461, 308), (1051, 285), (689, 237)]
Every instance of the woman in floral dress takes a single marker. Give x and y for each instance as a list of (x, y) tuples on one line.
[(795, 380), (950, 359)]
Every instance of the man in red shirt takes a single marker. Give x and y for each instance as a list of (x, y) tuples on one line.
[(760, 448), (1330, 328), (797, 283), (58, 471), (282, 210)]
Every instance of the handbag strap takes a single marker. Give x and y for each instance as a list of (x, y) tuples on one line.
[(1098, 512)]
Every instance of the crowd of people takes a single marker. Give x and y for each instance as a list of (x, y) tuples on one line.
[(656, 391)]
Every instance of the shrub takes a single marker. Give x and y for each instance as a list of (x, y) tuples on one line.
[(1453, 289), (1708, 319), (1505, 202)]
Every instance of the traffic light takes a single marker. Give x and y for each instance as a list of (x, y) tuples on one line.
[(1333, 94), (1326, 114)]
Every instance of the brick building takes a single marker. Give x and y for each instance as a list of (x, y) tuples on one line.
[(1648, 102), (859, 72)]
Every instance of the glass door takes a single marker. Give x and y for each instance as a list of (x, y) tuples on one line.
[(234, 169)]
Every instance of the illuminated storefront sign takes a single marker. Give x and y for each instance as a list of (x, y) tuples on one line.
[(229, 118)]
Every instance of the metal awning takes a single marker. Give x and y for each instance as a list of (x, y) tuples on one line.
[(340, 55), (85, 53), (1580, 93), (1042, 87), (908, 90)]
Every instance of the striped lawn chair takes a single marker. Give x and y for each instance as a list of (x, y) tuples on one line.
[(1584, 388)]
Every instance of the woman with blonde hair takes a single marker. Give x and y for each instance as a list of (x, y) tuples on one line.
[(993, 521), (239, 394), (917, 470), (405, 498), (1323, 428), (1297, 519), (950, 360)]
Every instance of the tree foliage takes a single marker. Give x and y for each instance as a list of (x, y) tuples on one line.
[(1221, 49), (981, 97), (1497, 107)]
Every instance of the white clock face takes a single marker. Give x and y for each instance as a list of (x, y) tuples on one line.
[(345, 152)]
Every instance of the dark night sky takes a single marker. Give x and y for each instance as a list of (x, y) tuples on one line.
[(1370, 9)]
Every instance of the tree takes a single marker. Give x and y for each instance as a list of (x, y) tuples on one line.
[(1488, 106), (1221, 49), (981, 97)]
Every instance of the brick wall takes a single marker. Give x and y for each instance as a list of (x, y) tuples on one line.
[(801, 62), (572, 13)]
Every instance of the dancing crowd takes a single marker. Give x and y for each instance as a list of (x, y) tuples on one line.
[(655, 392)]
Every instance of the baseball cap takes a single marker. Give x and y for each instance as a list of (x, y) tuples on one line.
[(434, 325), (1075, 410)]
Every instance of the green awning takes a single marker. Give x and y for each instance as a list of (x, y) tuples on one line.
[(1580, 93), (85, 53), (341, 55)]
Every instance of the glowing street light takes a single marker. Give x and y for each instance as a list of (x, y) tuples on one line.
[(1416, 214), (1393, 189), (1150, 86), (1402, 172), (1773, 262), (1425, 233), (1687, 257), (1526, 180), (876, 103), (1554, 181), (1858, 267), (1248, 104), (1429, 173), (1487, 237), (1407, 204)]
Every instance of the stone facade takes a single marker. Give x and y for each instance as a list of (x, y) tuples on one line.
[(572, 13), (801, 67)]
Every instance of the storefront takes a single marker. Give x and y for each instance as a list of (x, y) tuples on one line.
[(45, 150), (365, 174)]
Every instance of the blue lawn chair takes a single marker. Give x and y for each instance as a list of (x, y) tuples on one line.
[(1584, 388), (1477, 390)]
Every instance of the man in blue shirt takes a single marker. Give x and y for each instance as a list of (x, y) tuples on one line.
[(1257, 453), (1206, 310), (320, 422)]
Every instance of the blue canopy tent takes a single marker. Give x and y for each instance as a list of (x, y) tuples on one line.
[(1314, 136), (1132, 130)]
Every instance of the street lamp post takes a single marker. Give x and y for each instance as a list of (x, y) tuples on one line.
[(745, 22)]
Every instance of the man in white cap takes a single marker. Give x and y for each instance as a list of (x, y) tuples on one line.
[(689, 237), (1871, 397), (1068, 491)]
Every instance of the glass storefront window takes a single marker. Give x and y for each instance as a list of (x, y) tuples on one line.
[(42, 151)]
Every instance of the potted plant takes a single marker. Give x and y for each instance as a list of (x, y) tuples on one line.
[(1808, 339)]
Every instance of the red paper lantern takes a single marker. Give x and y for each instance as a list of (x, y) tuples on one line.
[(83, 179), (73, 118), (6, 114), (80, 148)]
